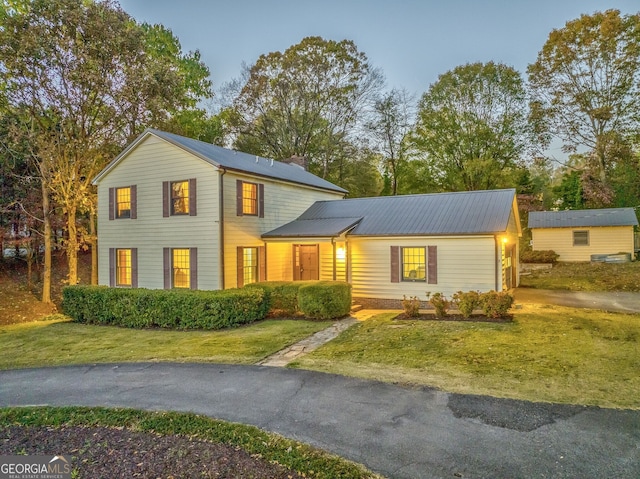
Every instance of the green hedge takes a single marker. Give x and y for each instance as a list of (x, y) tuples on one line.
[(174, 309), (281, 296), (325, 299), (313, 299)]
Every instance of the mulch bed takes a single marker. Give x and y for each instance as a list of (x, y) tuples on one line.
[(101, 452), (454, 317)]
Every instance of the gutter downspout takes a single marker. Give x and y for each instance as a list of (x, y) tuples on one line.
[(497, 243), (333, 244), (221, 226)]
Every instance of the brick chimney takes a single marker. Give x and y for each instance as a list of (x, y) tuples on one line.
[(300, 161)]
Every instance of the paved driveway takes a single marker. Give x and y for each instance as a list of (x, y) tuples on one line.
[(399, 432), (607, 301)]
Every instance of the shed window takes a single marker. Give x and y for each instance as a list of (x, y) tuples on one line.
[(581, 238)]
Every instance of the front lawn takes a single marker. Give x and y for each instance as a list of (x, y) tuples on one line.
[(586, 277), (548, 353), (59, 341)]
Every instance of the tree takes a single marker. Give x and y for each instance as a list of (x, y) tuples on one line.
[(89, 79), (389, 128), (472, 127), (305, 101), (585, 84)]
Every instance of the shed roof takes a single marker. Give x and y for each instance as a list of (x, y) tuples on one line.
[(583, 218), (231, 160), (462, 213)]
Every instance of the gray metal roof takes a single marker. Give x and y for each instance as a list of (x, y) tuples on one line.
[(462, 213), (576, 218), (313, 228), (234, 160)]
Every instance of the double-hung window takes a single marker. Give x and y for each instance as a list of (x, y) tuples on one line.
[(123, 267), (179, 197), (250, 199), (180, 268), (414, 265), (123, 202)]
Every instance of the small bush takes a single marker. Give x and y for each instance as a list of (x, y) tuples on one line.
[(466, 302), (411, 306), (543, 256), (325, 299), (440, 303), (173, 309), (496, 305)]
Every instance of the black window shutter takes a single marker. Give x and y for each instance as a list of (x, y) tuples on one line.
[(166, 198), (432, 266), (112, 203), (240, 266), (193, 267), (134, 202), (238, 197), (134, 267), (395, 264), (192, 197), (262, 258), (166, 266), (260, 200), (112, 267)]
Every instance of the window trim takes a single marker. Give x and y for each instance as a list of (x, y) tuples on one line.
[(187, 197), (117, 213), (586, 238), (168, 268), (113, 268), (417, 279)]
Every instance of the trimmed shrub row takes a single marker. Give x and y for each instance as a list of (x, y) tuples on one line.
[(175, 309), (313, 299), (185, 309)]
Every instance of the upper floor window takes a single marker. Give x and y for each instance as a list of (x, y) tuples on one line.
[(581, 238), (249, 199), (179, 197), (123, 202)]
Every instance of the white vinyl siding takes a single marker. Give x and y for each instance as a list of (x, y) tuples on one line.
[(283, 202), (602, 240), (149, 164), (464, 263)]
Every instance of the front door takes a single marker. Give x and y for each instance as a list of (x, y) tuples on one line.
[(305, 262)]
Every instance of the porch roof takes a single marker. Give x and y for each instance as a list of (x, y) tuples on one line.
[(313, 228)]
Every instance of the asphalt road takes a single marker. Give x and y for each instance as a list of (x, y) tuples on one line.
[(396, 431)]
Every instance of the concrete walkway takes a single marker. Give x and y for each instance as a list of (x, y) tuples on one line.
[(313, 342), (400, 432)]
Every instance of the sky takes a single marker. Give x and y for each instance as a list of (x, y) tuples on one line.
[(412, 41)]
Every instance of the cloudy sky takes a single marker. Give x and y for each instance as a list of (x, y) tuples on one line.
[(412, 41)]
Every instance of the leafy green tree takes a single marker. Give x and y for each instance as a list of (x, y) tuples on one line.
[(305, 101), (389, 128), (585, 84), (472, 127), (88, 79)]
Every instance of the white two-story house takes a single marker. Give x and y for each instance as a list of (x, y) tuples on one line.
[(180, 213)]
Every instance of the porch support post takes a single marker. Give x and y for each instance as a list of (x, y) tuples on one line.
[(333, 245)]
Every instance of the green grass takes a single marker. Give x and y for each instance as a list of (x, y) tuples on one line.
[(586, 277), (59, 341), (547, 353), (308, 461)]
